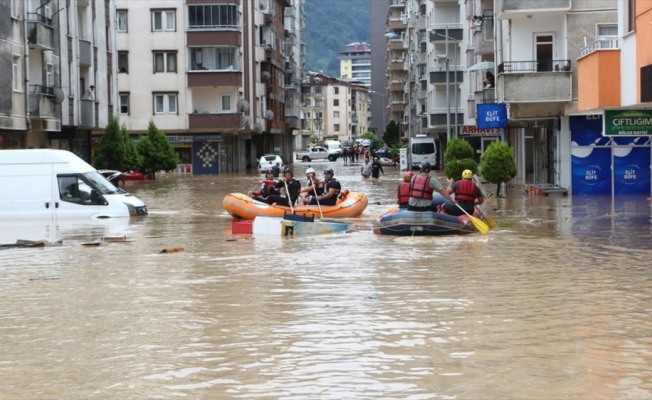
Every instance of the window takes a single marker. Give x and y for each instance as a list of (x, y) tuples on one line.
[(15, 4), (336, 90), (226, 102), (213, 58), (336, 102), (213, 16), (165, 61), (74, 189), (319, 115), (172, 62), (123, 62), (165, 103), (16, 73), (48, 75), (159, 62), (336, 114), (163, 20), (124, 103), (307, 115), (121, 21), (336, 127), (608, 31)]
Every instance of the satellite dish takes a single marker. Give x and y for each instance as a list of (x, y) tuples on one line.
[(269, 114), (317, 80), (243, 105), (258, 127), (266, 74), (246, 121), (59, 96)]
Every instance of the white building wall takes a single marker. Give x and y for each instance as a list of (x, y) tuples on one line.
[(140, 81), (523, 30)]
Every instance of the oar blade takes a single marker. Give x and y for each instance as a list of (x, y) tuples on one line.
[(479, 225), (492, 224)]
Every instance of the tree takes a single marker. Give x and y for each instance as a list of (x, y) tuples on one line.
[(375, 143), (458, 157), (392, 134), (497, 164), (116, 150), (313, 139), (156, 151)]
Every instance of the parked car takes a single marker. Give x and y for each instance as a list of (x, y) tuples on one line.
[(383, 152), (315, 153), (117, 178), (265, 161)]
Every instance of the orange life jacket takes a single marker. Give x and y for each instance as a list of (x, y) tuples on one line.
[(403, 193), (465, 192)]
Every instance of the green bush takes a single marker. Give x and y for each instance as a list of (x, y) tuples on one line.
[(458, 157), (116, 150), (498, 165)]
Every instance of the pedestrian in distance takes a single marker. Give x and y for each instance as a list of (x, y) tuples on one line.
[(276, 170), (376, 168), (365, 170)]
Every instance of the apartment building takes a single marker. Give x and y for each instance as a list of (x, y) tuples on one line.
[(355, 62), (333, 108), (215, 77), (607, 150), (55, 52), (378, 12)]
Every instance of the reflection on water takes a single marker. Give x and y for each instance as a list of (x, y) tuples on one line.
[(555, 304)]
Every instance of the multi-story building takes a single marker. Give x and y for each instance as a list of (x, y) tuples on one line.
[(355, 62), (399, 61), (333, 108), (378, 12), (55, 52), (213, 76)]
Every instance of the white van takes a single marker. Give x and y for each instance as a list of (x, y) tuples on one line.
[(422, 149), (48, 183), (333, 147)]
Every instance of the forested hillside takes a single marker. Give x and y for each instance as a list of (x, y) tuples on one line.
[(331, 25)]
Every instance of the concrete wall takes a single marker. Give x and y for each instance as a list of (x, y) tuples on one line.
[(599, 80)]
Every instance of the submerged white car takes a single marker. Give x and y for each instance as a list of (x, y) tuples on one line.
[(268, 161)]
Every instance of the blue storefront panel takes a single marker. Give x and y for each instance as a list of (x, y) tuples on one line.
[(631, 170), (205, 160)]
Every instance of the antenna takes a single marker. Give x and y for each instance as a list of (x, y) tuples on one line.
[(59, 96), (243, 105)]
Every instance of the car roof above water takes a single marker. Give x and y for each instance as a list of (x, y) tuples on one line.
[(43, 156)]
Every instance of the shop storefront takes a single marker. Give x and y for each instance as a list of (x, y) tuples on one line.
[(207, 154), (479, 139), (183, 146), (12, 140)]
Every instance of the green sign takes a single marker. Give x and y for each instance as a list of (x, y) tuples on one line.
[(627, 122)]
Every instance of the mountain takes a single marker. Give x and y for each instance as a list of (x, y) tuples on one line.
[(330, 26)]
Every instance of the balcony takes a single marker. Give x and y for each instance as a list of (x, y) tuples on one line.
[(85, 53), (87, 112), (40, 32), (534, 81), (397, 106), (396, 24), (438, 75), (397, 44), (507, 9), (212, 38), (41, 102), (598, 77), (397, 65), (470, 105), (438, 32), (602, 44), (397, 86), (483, 43), (214, 78), (214, 122), (438, 116)]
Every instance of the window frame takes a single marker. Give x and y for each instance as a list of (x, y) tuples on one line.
[(218, 53), (126, 21), (164, 20), (15, 72), (127, 95), (125, 55), (223, 97), (336, 102), (214, 24), (165, 96), (165, 54)]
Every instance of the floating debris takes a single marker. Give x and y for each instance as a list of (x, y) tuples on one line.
[(172, 250)]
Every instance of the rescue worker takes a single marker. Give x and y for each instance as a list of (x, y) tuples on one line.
[(421, 189), (293, 187), (404, 190), (266, 189), (314, 185), (376, 168), (332, 189), (467, 195)]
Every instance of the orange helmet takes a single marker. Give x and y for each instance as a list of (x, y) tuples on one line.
[(407, 177)]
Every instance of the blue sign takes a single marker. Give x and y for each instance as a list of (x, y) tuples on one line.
[(491, 115), (591, 168), (631, 170)]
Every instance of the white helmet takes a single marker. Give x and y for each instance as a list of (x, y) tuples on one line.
[(310, 170)]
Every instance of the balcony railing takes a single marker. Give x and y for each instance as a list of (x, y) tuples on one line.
[(602, 44), (35, 17), (534, 66)]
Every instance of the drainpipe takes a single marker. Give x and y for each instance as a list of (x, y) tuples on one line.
[(26, 71)]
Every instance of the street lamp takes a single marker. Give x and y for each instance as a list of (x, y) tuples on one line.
[(384, 109)]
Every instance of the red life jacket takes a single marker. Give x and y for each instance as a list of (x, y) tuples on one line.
[(465, 191), (420, 187), (403, 193)]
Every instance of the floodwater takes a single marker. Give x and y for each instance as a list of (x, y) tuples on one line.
[(555, 304)]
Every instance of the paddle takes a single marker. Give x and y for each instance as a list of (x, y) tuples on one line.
[(477, 222), (287, 192), (314, 187), (492, 224)]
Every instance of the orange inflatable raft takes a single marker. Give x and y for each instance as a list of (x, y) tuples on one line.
[(244, 207)]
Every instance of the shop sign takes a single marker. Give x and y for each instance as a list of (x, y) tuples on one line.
[(491, 115), (470, 130), (627, 122), (179, 139), (209, 138)]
